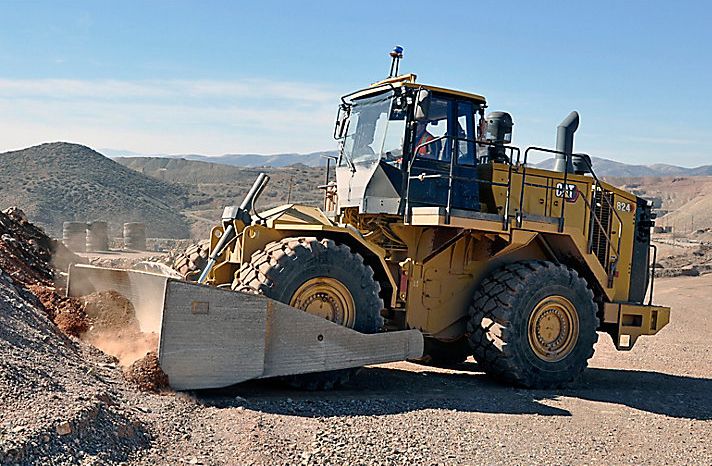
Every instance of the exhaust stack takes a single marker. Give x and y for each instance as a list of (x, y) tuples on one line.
[(565, 142)]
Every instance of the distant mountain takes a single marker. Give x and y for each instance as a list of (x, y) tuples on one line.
[(313, 159), (602, 167), (111, 153), (59, 182), (608, 168)]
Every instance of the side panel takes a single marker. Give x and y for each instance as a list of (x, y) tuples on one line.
[(612, 228), (444, 268)]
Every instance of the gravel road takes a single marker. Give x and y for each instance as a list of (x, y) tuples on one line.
[(650, 405)]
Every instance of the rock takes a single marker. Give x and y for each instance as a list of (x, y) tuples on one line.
[(64, 428), (689, 271)]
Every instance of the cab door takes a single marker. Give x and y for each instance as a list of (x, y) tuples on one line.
[(443, 168)]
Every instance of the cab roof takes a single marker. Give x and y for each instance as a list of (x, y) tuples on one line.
[(408, 80)]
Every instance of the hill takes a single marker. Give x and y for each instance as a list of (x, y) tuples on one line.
[(684, 202), (60, 182), (211, 186), (606, 167)]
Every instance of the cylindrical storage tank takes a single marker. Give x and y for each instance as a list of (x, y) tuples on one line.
[(98, 236), (135, 236), (74, 236)]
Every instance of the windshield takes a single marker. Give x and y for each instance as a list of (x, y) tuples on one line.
[(376, 129)]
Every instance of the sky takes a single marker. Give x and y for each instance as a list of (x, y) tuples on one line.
[(215, 77)]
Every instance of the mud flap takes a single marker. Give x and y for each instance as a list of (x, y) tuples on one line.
[(213, 338)]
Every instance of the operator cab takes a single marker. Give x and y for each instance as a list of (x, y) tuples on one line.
[(403, 142)]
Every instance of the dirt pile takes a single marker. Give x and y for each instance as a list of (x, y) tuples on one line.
[(113, 327), (110, 310), (105, 320), (58, 395), (28, 255), (25, 250), (67, 313), (146, 374)]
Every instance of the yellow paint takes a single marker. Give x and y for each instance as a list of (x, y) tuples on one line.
[(635, 320), (408, 80)]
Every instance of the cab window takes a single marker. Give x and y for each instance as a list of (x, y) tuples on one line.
[(431, 140), (450, 126), (466, 133)]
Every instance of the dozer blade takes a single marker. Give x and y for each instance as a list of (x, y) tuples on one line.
[(210, 337)]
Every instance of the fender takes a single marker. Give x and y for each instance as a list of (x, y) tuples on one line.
[(299, 220)]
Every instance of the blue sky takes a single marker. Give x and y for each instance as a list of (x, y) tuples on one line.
[(264, 77)]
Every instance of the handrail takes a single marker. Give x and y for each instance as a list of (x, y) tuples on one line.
[(451, 176), (410, 168), (327, 182), (596, 188), (516, 159)]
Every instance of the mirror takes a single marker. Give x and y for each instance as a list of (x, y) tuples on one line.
[(422, 105), (342, 120)]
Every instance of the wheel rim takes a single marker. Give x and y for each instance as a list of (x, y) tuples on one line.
[(553, 328), (328, 298)]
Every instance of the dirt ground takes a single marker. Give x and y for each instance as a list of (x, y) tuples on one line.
[(62, 401), (652, 405)]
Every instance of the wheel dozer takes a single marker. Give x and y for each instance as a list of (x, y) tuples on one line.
[(437, 241)]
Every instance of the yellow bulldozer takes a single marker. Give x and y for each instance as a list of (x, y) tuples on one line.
[(437, 241)]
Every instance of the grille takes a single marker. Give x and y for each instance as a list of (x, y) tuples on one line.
[(602, 211)]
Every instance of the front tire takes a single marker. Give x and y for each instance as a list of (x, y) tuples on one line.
[(533, 324), (323, 278), (192, 262)]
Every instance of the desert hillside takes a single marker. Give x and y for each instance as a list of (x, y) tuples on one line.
[(59, 182), (684, 203), (211, 186)]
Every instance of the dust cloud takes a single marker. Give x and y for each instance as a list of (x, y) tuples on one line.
[(114, 328)]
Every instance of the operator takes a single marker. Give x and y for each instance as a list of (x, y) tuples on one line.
[(423, 136)]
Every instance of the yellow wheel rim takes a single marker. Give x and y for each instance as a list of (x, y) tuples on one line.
[(553, 328), (328, 298)]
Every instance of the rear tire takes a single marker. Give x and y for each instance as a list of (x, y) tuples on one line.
[(192, 262), (533, 324), (321, 277)]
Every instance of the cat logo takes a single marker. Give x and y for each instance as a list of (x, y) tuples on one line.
[(571, 193)]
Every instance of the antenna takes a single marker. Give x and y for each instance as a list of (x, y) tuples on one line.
[(396, 54)]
